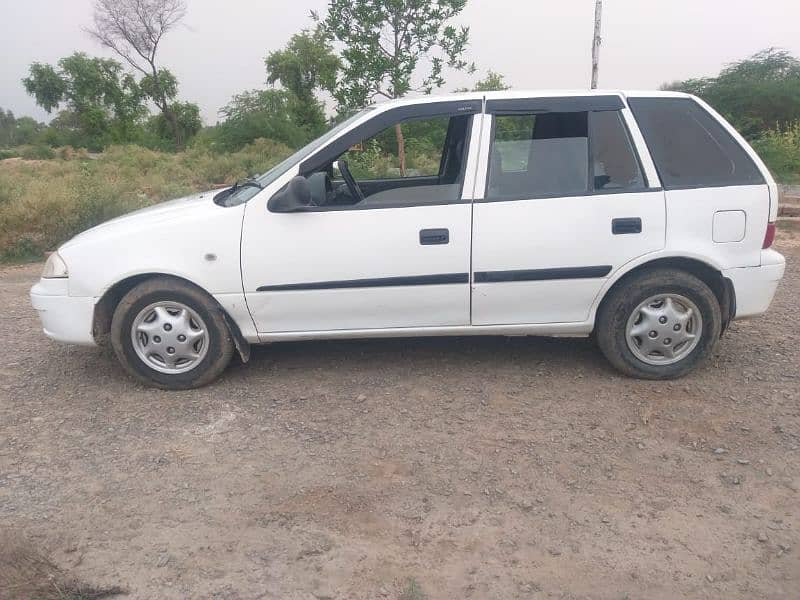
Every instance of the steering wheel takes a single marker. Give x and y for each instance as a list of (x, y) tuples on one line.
[(355, 191)]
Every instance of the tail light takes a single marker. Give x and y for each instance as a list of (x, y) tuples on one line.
[(769, 236)]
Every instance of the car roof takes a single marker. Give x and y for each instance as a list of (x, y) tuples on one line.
[(509, 94)]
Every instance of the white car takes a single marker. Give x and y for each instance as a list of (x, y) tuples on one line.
[(640, 217)]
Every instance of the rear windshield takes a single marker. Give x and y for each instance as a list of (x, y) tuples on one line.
[(690, 147)]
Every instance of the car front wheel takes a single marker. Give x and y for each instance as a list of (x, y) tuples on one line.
[(659, 324), (170, 334)]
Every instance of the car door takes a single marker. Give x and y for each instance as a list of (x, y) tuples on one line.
[(397, 259), (565, 204)]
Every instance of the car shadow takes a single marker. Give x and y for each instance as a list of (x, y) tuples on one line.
[(330, 360), (430, 353)]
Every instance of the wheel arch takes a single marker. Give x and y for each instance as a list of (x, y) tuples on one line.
[(705, 272), (105, 306)]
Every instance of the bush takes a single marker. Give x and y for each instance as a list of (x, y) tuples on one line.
[(47, 202), (8, 153), (36, 152), (781, 151)]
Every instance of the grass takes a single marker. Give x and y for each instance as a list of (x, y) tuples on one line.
[(412, 591), (26, 574), (45, 202)]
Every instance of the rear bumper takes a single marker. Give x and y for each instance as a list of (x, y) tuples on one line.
[(64, 318), (755, 286)]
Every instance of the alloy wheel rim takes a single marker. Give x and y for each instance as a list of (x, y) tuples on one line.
[(664, 329), (169, 337)]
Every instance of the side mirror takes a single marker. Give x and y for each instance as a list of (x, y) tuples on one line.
[(294, 197)]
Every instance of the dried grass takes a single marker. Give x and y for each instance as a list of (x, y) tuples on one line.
[(27, 574), (45, 202)]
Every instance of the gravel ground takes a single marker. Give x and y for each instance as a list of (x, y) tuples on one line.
[(411, 469)]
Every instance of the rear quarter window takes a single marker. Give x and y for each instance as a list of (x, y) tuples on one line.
[(690, 148)]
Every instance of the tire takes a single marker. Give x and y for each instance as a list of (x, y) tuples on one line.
[(641, 356), (191, 332)]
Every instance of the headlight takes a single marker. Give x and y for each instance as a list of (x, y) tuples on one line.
[(55, 267)]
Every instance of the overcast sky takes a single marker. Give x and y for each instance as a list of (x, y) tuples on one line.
[(220, 48)]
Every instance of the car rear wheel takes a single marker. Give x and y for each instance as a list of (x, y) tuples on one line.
[(659, 324), (170, 334)]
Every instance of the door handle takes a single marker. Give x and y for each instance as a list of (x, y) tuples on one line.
[(431, 237), (627, 225)]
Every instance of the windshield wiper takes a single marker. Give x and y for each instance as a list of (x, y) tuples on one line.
[(224, 196), (246, 183)]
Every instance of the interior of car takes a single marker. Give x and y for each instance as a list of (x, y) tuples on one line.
[(546, 153), (366, 174)]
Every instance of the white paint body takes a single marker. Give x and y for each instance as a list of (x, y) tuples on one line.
[(232, 252), (347, 245)]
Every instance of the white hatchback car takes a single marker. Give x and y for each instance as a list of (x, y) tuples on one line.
[(643, 218)]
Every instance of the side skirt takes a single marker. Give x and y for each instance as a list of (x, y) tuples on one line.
[(544, 329)]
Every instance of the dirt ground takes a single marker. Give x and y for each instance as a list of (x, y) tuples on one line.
[(486, 468)]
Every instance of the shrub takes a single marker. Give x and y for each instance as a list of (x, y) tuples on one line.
[(8, 153), (36, 152), (22, 250), (781, 151), (70, 153)]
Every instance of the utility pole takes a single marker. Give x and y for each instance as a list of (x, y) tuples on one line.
[(598, 16)]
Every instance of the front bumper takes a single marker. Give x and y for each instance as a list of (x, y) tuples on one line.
[(755, 286), (64, 318)]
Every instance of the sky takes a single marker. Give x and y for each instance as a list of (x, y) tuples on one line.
[(219, 49)]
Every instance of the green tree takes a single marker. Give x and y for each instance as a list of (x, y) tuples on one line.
[(258, 114), (393, 47), (306, 65), (757, 94), (134, 29), (493, 82), (8, 127), (26, 130), (187, 115), (104, 103)]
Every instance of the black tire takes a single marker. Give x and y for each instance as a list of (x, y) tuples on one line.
[(220, 344), (622, 301)]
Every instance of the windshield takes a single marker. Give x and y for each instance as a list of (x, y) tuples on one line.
[(244, 194)]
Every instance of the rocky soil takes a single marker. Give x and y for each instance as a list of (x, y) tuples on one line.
[(411, 469)]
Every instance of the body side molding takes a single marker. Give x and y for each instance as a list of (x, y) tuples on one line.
[(542, 274), (439, 279)]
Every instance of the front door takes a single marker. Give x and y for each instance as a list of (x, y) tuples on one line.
[(565, 205), (393, 252)]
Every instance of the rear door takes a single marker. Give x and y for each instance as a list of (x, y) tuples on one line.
[(565, 204)]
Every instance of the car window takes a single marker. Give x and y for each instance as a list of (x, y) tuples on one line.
[(513, 142), (691, 148), (380, 158), (539, 155), (614, 163), (433, 172), (244, 194)]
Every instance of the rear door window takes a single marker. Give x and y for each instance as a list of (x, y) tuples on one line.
[(562, 154), (615, 165), (539, 156), (691, 148)]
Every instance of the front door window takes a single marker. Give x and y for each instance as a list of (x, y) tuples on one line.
[(414, 162)]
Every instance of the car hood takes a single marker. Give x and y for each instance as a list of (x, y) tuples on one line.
[(188, 207)]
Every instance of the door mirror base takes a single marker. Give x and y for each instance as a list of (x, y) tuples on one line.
[(294, 197)]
